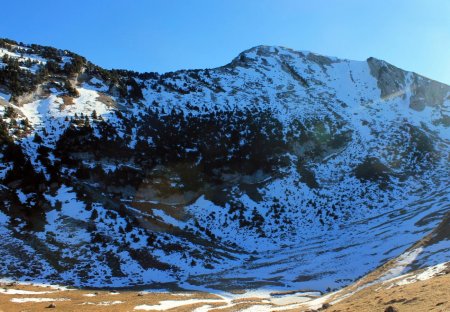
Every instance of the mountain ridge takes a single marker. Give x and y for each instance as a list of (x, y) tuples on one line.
[(204, 177), (254, 48)]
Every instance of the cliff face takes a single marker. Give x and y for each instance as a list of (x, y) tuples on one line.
[(282, 168)]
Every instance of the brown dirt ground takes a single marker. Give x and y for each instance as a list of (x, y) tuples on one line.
[(428, 295), (77, 302), (420, 296)]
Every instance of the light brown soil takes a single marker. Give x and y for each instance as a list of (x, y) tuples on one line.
[(107, 100), (428, 295), (77, 302), (418, 296), (67, 101)]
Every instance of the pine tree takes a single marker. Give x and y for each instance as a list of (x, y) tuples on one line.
[(37, 138)]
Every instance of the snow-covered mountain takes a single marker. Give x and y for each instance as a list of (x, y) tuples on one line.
[(281, 169)]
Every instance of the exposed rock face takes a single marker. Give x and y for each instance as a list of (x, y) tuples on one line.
[(285, 168), (394, 82), (390, 79), (39, 94), (427, 92)]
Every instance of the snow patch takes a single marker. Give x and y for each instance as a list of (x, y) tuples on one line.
[(25, 300), (170, 304)]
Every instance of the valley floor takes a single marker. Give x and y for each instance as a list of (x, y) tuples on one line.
[(423, 290)]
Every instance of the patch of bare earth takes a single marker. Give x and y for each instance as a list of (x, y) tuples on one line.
[(87, 300), (107, 100), (67, 101), (421, 290), (427, 295)]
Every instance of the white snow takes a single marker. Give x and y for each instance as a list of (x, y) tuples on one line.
[(24, 300), (11, 291), (5, 96), (204, 308), (423, 275), (403, 261), (103, 303), (89, 295), (168, 219), (106, 303), (170, 304), (258, 308)]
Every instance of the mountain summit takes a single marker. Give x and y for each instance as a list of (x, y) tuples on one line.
[(281, 169)]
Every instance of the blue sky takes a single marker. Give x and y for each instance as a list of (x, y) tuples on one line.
[(166, 35)]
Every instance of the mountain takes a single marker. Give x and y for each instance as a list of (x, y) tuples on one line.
[(279, 170)]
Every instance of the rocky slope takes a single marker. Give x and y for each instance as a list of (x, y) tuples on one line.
[(282, 169)]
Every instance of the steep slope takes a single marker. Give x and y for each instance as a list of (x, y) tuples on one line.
[(282, 169), (422, 290)]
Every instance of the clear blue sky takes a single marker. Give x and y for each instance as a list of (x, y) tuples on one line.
[(166, 35)]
